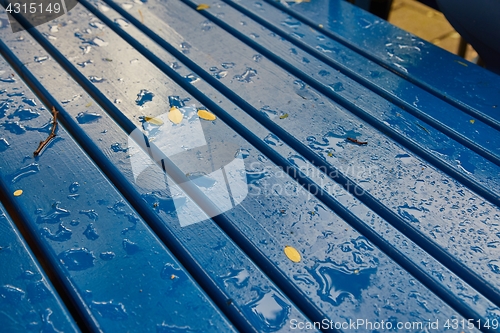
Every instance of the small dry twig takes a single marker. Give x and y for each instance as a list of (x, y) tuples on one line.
[(361, 143), (52, 134)]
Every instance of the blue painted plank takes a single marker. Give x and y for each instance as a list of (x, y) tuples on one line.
[(313, 209), (28, 301), (234, 281), (197, 83), (465, 85), (400, 210), (321, 57), (120, 276), (387, 117)]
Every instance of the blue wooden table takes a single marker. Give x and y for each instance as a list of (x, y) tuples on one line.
[(255, 166)]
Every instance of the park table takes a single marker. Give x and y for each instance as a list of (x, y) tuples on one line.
[(240, 165)]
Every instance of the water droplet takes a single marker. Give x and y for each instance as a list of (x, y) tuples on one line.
[(494, 265), (297, 35), (73, 188), (77, 259), (24, 114), (86, 49), (242, 153), (171, 272), (37, 291), (175, 101), (97, 25), (14, 127), (29, 101), (83, 64), (298, 161), (90, 213), (107, 255), (41, 59), (61, 235), (121, 22), (257, 57), (269, 112), (338, 283), (99, 42), (185, 46), (201, 179), (323, 73), (54, 215), (326, 49), (254, 177), (87, 117), (273, 140), (271, 311), (143, 97), (191, 78), (227, 65), (337, 87), (91, 232), (237, 277), (4, 106), (220, 74), (130, 247), (96, 79), (11, 294), (477, 249), (110, 310), (411, 213), (247, 75), (4, 144), (290, 22), (166, 204), (405, 158), (8, 79), (24, 172), (166, 328), (117, 147)]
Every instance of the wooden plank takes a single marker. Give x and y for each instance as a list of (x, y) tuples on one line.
[(204, 54), (233, 281), (117, 272), (465, 85), (313, 50), (253, 227), (28, 301)]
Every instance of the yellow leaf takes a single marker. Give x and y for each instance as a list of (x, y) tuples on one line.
[(88, 104), (284, 116), (175, 115), (142, 17), (154, 121), (202, 6), (292, 253), (206, 115), (472, 121), (18, 193)]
